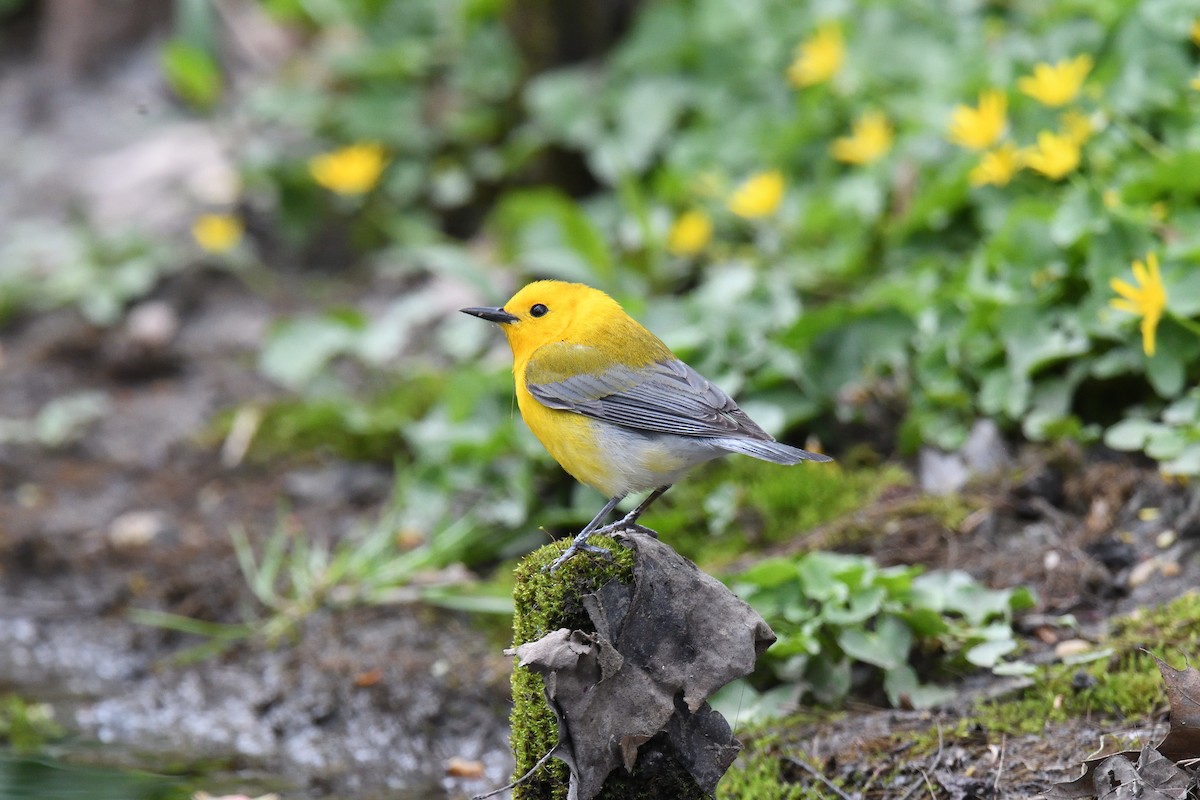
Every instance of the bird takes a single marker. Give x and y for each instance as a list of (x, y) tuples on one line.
[(613, 405)]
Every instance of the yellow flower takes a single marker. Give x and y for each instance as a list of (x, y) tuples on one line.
[(980, 128), (1076, 126), (1148, 299), (1194, 33), (819, 57), (1195, 83), (1056, 85), (1055, 155), (758, 196), (997, 167), (217, 233), (690, 234), (869, 140), (351, 170)]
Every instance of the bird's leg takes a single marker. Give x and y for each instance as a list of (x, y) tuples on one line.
[(629, 521), (581, 544)]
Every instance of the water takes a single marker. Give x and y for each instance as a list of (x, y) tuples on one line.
[(47, 779)]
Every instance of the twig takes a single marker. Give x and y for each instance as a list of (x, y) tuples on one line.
[(1000, 765), (811, 770), (929, 785), (916, 784), (520, 780)]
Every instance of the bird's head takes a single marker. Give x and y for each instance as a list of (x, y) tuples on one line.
[(550, 311)]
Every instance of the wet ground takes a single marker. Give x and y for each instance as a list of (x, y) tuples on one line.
[(135, 514)]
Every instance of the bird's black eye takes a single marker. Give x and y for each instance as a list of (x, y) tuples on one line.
[(538, 310)]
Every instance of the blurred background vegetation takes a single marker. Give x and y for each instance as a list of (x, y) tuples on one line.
[(875, 223)]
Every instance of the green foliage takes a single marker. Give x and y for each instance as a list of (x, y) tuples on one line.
[(832, 611), (891, 282), (98, 272), (1173, 439), (192, 73), (296, 574), (27, 727), (59, 422), (429, 80)]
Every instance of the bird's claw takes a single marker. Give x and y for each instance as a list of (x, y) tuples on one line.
[(622, 526), (580, 545)]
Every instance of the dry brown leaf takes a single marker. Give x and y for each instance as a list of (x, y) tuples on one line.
[(1108, 776)]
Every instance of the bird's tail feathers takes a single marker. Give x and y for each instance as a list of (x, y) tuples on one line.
[(773, 451)]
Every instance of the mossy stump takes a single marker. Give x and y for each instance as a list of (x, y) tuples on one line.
[(543, 603)]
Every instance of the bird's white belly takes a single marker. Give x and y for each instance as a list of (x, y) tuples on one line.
[(640, 460)]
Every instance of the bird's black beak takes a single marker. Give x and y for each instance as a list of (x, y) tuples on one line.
[(491, 314)]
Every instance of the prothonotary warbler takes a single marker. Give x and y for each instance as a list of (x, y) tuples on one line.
[(612, 403)]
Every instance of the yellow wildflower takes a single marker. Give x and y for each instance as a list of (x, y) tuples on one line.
[(819, 57), (870, 138), (1056, 85), (1076, 126), (758, 196), (1148, 299), (980, 128), (351, 170), (217, 233), (1055, 155), (1194, 33), (996, 167), (690, 234), (1195, 83)]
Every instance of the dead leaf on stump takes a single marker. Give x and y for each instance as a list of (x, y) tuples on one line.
[(1156, 775), (662, 646)]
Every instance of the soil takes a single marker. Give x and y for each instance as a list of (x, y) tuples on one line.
[(136, 513)]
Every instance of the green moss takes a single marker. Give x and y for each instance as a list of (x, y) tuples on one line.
[(759, 504), (1125, 685), (758, 776), (545, 602)]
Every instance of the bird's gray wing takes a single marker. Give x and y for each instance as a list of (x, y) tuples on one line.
[(665, 396)]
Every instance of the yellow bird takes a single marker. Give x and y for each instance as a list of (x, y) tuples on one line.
[(613, 404)]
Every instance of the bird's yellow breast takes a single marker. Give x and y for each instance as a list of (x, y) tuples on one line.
[(574, 440)]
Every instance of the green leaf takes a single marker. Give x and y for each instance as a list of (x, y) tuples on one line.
[(903, 689), (886, 647), (861, 606), (768, 573), (988, 654), (1186, 463), (192, 73), (299, 349), (553, 235), (1130, 434)]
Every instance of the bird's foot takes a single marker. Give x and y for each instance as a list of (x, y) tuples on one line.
[(626, 526), (580, 545)]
